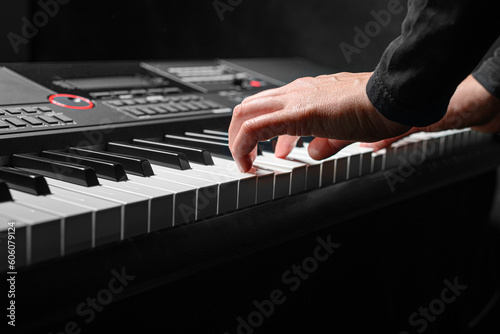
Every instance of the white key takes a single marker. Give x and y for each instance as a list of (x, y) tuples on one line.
[(185, 196), (327, 165), (76, 222), (298, 170), (265, 179), (106, 215), (207, 191), (247, 183), (134, 207), (43, 231), (161, 202), (227, 187)]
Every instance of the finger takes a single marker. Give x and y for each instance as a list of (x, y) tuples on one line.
[(257, 129), (285, 145), (321, 148), (249, 110)]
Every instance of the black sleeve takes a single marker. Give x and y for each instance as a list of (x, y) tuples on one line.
[(442, 41), (488, 74)]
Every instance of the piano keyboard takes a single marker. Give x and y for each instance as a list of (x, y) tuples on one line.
[(68, 201)]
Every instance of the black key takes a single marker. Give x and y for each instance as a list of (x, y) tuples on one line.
[(13, 111), (107, 170), (159, 156), (4, 192), (63, 171), (63, 118), (269, 145), (215, 139), (180, 106), (48, 119), (4, 125), (24, 181), (33, 121), (193, 154), (221, 139), (16, 122), (133, 165), (45, 109), (214, 147), (29, 110)]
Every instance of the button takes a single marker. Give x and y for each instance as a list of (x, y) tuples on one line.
[(48, 119), (168, 107), (14, 111), (155, 91), (154, 99), (30, 110), (120, 92), (32, 121), (190, 106), (147, 111), (64, 118), (129, 102), (158, 109), (141, 101), (135, 111), (4, 125), (200, 105), (211, 104), (255, 83), (45, 109), (16, 122), (100, 94), (171, 90), (71, 101), (126, 97), (138, 92), (116, 103), (180, 107)]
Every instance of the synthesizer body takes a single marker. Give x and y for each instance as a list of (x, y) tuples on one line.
[(116, 109)]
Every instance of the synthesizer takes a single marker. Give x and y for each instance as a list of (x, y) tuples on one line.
[(105, 165)]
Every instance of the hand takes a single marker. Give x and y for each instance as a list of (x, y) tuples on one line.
[(471, 106), (334, 108)]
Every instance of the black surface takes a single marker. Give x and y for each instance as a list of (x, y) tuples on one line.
[(24, 181), (106, 169), (193, 154), (64, 171), (160, 156), (217, 148), (134, 165), (4, 192)]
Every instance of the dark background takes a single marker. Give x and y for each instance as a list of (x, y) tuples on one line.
[(119, 30)]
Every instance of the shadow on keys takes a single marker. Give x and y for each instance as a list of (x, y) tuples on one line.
[(426, 265)]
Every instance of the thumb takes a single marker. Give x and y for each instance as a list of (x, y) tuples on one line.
[(321, 148)]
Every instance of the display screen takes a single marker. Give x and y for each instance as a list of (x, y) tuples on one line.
[(114, 82)]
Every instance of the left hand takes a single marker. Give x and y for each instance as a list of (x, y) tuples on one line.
[(334, 108), (470, 106)]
